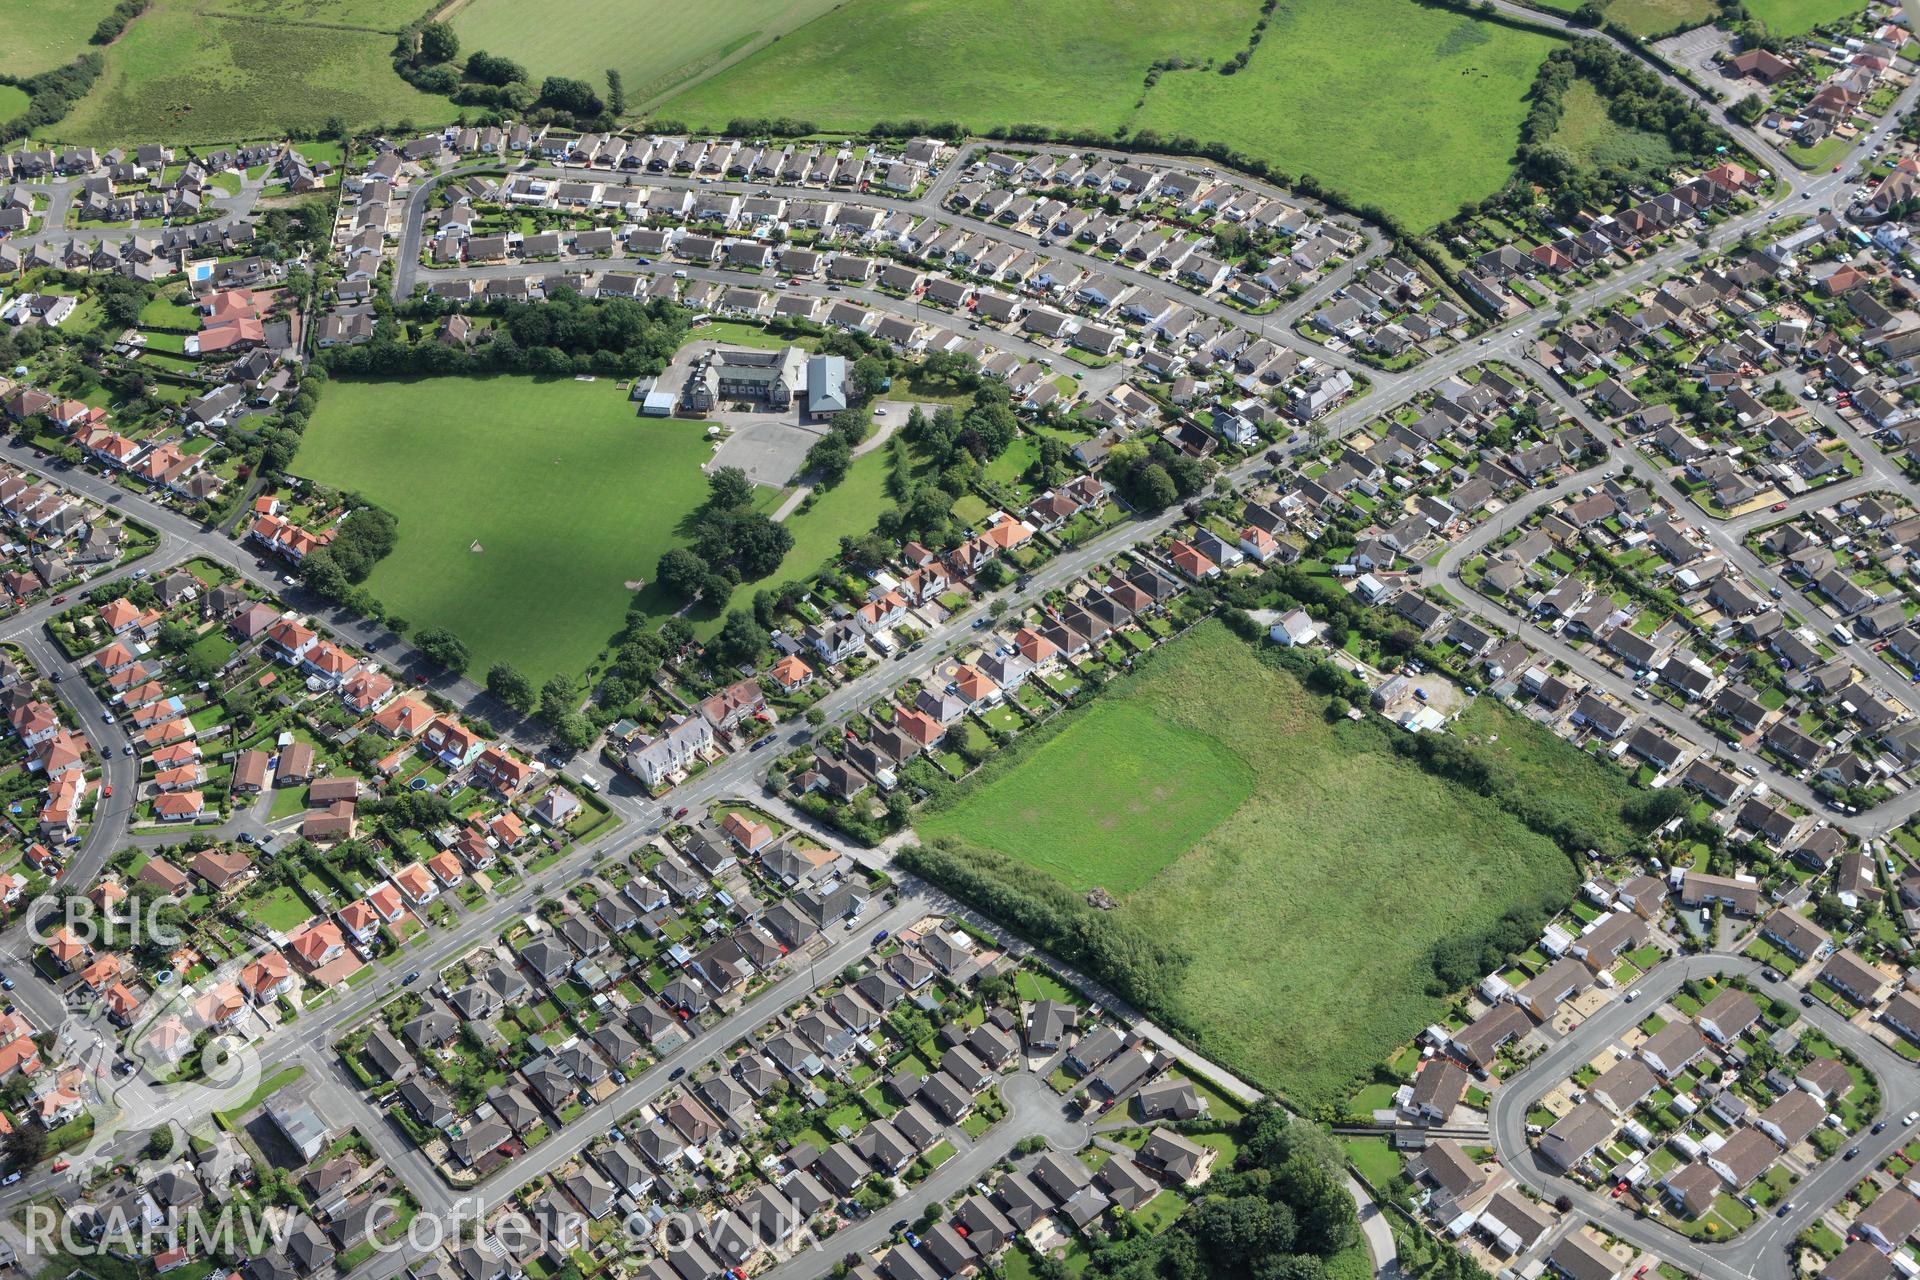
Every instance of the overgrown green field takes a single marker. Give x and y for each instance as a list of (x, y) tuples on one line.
[(1418, 122), (568, 493), (1588, 793), (1797, 17), (1594, 140), (1657, 17), (1309, 908), (652, 44), (185, 75), (42, 34), (370, 15)]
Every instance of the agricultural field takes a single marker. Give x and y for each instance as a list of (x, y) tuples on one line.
[(1075, 64), (653, 45), (43, 34), (187, 75), (1790, 18), (1306, 870), (1595, 141), (565, 492), (1444, 135), (12, 102)]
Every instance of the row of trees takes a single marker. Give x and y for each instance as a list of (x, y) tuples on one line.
[(1143, 968), (115, 22), (565, 335), (426, 57), (52, 94)]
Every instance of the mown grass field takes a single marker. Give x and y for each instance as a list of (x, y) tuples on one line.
[(654, 45), (1309, 908), (188, 76), (1797, 17), (1417, 123), (12, 102), (1144, 791), (1592, 137), (568, 492), (41, 34)]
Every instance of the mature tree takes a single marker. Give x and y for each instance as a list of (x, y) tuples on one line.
[(682, 572), (574, 731), (1154, 488), (559, 697), (442, 648), (728, 488), (760, 545), (741, 640), (505, 682), (488, 69), (574, 96), (831, 458), (438, 43), (26, 1145)]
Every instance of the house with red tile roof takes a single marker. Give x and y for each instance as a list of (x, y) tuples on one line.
[(791, 673), (508, 829), (975, 686), (268, 978), (452, 743), (1034, 647), (67, 950), (414, 882), (179, 806), (386, 902), (920, 726), (366, 691), (403, 718), (1189, 561), (751, 836), (502, 772), (289, 641), (119, 615), (360, 920), (121, 1003), (318, 943)]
